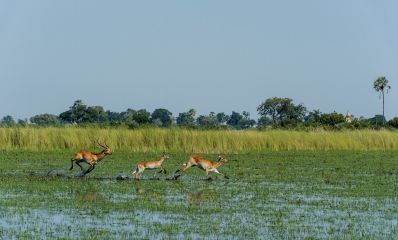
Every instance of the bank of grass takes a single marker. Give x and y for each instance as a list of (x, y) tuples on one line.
[(175, 139)]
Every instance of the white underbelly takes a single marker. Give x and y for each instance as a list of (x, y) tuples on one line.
[(150, 168)]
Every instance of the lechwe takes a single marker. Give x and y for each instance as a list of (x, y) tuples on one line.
[(90, 158), (203, 164), (152, 165)]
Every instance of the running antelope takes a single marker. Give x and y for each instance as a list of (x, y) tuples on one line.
[(203, 164), (90, 158), (152, 165)]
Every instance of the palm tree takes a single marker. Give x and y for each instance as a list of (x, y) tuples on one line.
[(379, 85)]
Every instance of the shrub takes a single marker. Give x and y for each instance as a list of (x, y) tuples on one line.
[(393, 122), (333, 119), (287, 122), (131, 124), (141, 118)]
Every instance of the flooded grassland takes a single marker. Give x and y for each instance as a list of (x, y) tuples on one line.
[(285, 194)]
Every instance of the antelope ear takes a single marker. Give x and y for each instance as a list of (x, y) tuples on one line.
[(164, 153), (220, 156)]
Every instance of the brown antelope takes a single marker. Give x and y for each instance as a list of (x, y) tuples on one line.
[(90, 158), (203, 164), (152, 165)]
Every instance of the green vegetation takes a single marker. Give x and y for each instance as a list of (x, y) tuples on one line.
[(277, 113), (271, 195), (380, 84), (177, 139)]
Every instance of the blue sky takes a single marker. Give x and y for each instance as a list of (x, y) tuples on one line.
[(219, 56)]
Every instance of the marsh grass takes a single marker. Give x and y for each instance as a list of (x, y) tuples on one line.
[(175, 139), (271, 195)]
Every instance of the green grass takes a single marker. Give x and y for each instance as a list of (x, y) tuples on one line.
[(271, 195), (175, 139)]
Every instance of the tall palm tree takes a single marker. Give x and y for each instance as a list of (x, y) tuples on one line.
[(379, 85)]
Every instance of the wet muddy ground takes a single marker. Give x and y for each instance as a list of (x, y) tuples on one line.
[(296, 194)]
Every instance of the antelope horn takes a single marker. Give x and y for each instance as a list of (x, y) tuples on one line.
[(106, 145), (100, 144)]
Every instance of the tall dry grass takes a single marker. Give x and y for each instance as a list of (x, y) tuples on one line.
[(195, 141)]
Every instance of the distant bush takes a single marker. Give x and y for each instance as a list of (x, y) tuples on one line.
[(377, 119), (333, 119), (132, 124), (217, 127), (141, 118), (393, 122), (287, 122)]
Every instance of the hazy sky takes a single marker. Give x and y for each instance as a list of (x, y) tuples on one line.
[(219, 56)]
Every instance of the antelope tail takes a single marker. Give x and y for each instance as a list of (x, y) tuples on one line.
[(180, 168), (133, 172)]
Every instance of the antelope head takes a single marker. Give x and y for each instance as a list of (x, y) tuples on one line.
[(165, 156), (107, 149), (222, 159)]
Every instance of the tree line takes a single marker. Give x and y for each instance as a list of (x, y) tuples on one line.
[(275, 113)]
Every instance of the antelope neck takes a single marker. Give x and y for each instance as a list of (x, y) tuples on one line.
[(161, 160), (218, 163)]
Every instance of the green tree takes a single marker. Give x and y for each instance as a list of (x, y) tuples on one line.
[(76, 113), (66, 116), (245, 122), (101, 113), (187, 117), (44, 119), (23, 122), (77, 103), (393, 122), (296, 112), (332, 119), (234, 119), (79, 113), (380, 84), (164, 116), (314, 116), (222, 118), (276, 108), (377, 119), (7, 120), (141, 118), (144, 111), (115, 116), (264, 121), (95, 114), (317, 115), (157, 122), (132, 124), (91, 115), (127, 115), (310, 117), (203, 120)]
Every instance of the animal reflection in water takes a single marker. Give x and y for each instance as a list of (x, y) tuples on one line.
[(203, 197), (89, 197), (147, 193)]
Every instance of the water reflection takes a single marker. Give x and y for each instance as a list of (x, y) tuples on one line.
[(89, 196), (142, 193), (205, 196)]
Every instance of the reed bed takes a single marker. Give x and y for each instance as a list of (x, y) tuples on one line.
[(175, 139)]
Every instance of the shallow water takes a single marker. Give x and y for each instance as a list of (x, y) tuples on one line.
[(286, 196)]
